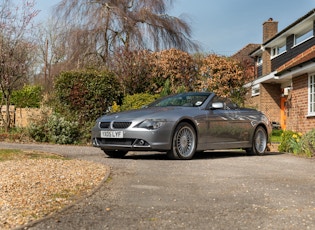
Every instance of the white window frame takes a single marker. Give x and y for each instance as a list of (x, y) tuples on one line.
[(311, 94), (255, 90), (259, 61), (278, 50), (303, 37)]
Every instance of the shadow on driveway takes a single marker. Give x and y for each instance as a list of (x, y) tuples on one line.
[(198, 156)]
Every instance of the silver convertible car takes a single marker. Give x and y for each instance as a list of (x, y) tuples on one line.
[(182, 125)]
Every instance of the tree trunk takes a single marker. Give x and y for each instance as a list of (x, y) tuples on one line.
[(7, 119)]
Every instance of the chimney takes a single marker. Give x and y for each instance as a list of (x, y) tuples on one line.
[(270, 29)]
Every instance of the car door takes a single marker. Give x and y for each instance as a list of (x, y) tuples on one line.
[(223, 126), (244, 120)]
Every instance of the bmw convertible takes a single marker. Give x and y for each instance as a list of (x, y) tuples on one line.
[(181, 125)]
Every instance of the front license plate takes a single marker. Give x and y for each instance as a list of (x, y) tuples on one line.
[(112, 134)]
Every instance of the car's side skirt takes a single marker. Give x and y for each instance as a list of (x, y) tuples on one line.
[(225, 145)]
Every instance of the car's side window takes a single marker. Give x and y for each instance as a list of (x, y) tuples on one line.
[(215, 100), (231, 105), (227, 104)]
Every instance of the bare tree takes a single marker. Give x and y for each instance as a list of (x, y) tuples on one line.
[(51, 51), (131, 24), (64, 48), (15, 49), (79, 46), (134, 70)]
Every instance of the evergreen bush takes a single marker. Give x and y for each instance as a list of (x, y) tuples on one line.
[(136, 101), (30, 96), (55, 129), (308, 143), (85, 95)]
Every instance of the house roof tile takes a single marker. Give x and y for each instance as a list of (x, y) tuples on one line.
[(243, 54)]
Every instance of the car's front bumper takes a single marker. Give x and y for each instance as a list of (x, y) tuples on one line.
[(135, 139)]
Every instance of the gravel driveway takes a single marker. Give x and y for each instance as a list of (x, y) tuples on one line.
[(216, 190)]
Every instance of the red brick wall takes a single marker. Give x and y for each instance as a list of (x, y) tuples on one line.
[(297, 111), (266, 66), (252, 102), (268, 101), (270, 29)]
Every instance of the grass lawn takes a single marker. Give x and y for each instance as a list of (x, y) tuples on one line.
[(15, 154), (276, 136)]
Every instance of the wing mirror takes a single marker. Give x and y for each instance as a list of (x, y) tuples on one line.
[(217, 105)]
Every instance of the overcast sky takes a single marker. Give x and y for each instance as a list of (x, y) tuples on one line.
[(226, 26)]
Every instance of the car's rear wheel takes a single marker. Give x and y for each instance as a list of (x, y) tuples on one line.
[(259, 144), (184, 142), (115, 153)]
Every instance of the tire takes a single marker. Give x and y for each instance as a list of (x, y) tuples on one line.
[(115, 153), (259, 143), (184, 142)]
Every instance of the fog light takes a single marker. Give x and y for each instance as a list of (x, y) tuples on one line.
[(94, 141), (141, 142)]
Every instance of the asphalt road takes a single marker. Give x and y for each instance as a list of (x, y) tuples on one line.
[(215, 190)]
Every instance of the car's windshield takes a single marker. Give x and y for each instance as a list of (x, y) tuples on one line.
[(186, 100)]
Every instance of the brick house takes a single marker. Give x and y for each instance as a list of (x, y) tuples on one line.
[(243, 56), (284, 84)]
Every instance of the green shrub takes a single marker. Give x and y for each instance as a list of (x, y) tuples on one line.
[(85, 95), (277, 132), (290, 142), (38, 132), (62, 131), (115, 108), (276, 135), (54, 128), (29, 96), (308, 143), (37, 128), (136, 101), (166, 90), (15, 134)]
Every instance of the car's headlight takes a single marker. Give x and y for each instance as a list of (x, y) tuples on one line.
[(151, 124)]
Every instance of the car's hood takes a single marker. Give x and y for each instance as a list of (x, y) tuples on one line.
[(151, 112)]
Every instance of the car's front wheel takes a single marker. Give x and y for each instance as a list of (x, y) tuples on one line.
[(184, 142), (115, 153), (259, 144)]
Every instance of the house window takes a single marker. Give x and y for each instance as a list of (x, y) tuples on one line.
[(302, 37), (311, 94), (259, 61), (255, 90), (275, 51)]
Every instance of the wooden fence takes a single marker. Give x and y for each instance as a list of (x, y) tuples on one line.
[(20, 117)]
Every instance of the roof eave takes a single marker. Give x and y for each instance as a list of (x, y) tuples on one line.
[(308, 66), (263, 79), (309, 14)]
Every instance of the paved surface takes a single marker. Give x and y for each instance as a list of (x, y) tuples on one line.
[(221, 190)]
